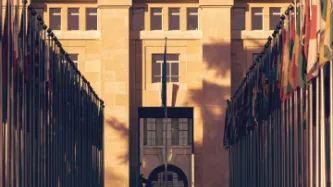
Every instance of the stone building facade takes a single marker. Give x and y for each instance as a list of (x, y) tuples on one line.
[(119, 45)]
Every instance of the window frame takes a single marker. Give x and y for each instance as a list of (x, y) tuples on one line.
[(187, 16), (169, 63), (262, 18), (170, 16), (272, 14), (86, 19), (68, 16), (151, 17), (183, 130), (169, 132), (146, 130), (174, 138), (59, 14)]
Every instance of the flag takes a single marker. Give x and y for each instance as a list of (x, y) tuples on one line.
[(266, 82), (287, 47), (295, 52), (325, 32), (301, 63), (273, 78), (312, 61), (164, 78), (307, 29), (249, 85)]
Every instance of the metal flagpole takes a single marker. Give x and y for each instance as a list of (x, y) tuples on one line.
[(317, 132), (164, 102), (322, 129), (331, 120), (310, 133)]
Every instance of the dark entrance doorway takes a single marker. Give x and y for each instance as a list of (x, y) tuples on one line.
[(176, 177)]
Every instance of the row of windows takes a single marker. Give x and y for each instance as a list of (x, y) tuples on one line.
[(73, 21), (156, 18), (238, 15), (157, 62), (178, 132)]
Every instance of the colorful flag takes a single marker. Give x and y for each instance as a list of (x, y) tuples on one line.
[(325, 33), (295, 55), (301, 63), (286, 50), (313, 52)]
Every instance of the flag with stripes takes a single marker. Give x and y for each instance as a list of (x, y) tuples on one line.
[(313, 52)]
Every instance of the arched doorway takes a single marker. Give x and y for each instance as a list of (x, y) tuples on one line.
[(176, 177)]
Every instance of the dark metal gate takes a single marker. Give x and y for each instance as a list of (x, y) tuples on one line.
[(52, 120)]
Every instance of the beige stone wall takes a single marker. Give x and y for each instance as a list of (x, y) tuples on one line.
[(245, 43)]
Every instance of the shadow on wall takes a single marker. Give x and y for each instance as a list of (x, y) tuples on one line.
[(221, 72), (122, 158), (211, 162)]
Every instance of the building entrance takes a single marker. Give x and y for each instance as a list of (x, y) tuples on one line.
[(175, 177)]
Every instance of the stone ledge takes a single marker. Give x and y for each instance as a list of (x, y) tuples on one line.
[(160, 35), (251, 35), (78, 35)]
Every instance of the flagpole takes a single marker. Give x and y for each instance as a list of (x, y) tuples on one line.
[(164, 103), (331, 120)]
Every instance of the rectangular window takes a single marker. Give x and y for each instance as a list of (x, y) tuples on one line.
[(257, 19), (169, 130), (178, 132), (172, 67), (274, 17), (138, 19), (238, 18), (73, 19), (183, 131), (91, 19), (150, 131), (75, 59), (55, 18), (156, 19), (174, 18), (192, 19)]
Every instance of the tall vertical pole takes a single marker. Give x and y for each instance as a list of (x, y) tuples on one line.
[(317, 132), (164, 102), (322, 130), (310, 133)]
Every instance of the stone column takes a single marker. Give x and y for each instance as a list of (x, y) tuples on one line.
[(115, 28), (215, 24)]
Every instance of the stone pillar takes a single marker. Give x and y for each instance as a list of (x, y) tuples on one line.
[(115, 28), (216, 50)]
